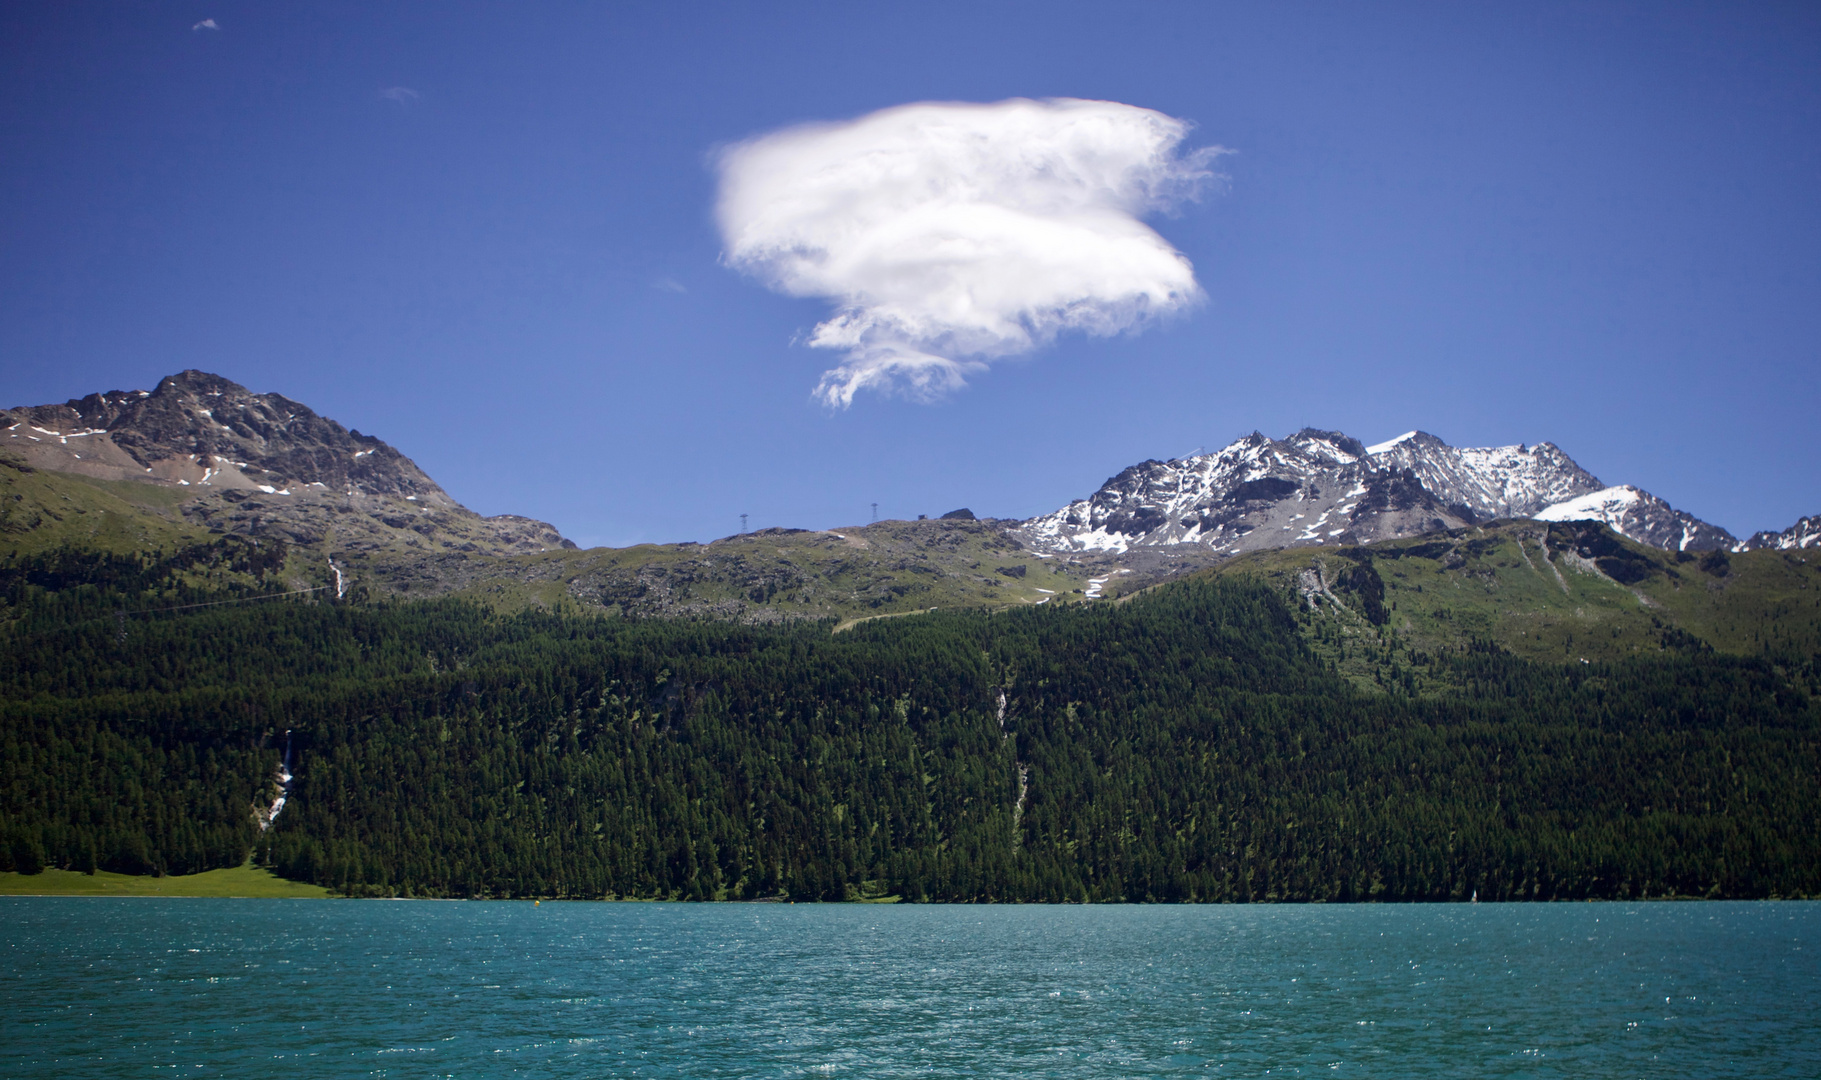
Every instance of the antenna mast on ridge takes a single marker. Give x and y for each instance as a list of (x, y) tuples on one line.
[(875, 511), (742, 524)]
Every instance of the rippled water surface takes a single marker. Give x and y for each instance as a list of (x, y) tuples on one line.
[(144, 987)]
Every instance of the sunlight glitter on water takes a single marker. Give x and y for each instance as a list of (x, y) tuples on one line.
[(111, 987)]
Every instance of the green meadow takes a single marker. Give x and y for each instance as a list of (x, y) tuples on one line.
[(245, 880)]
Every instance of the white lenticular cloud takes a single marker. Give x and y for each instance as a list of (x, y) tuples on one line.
[(949, 235)]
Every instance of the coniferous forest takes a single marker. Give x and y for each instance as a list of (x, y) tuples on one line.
[(1187, 745)]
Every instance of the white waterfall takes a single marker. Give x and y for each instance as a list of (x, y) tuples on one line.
[(283, 779)]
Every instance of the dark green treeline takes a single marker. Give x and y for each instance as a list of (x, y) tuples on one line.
[(1185, 746)]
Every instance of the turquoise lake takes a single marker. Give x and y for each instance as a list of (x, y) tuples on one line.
[(254, 988)]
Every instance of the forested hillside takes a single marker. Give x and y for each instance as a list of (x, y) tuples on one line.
[(1189, 744)]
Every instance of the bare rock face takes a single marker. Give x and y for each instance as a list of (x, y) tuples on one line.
[(261, 465), (523, 534), (1326, 488), (197, 429)]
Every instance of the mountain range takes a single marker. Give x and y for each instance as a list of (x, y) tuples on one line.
[(1401, 671), (200, 456), (1325, 487)]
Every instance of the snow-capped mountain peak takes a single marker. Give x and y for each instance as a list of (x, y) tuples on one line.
[(1805, 533), (1326, 487)]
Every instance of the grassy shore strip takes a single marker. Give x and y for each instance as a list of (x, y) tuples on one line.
[(245, 880)]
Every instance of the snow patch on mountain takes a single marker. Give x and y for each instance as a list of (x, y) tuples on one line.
[(1379, 448), (1640, 516), (1607, 502)]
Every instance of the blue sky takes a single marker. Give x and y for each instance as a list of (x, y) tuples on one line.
[(486, 234)]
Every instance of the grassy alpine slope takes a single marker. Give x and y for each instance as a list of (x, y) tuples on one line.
[(886, 568), (1552, 593), (40, 511)]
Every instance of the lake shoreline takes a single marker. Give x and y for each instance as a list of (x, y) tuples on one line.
[(247, 882)]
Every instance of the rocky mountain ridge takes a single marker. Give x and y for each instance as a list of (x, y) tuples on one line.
[(1805, 533), (201, 455), (1327, 488), (259, 465)]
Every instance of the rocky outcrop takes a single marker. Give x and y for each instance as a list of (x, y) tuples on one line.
[(261, 465)]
